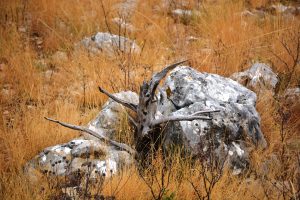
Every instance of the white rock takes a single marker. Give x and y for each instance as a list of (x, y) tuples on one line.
[(109, 44), (192, 91), (258, 77)]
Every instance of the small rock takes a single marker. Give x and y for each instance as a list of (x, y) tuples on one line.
[(109, 44), (87, 156), (258, 77)]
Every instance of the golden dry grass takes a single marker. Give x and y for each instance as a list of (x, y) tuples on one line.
[(227, 43)]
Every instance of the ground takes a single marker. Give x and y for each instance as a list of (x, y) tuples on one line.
[(44, 72)]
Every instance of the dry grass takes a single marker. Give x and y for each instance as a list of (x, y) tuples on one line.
[(34, 84)]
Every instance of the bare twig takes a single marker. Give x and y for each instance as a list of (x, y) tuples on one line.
[(120, 146), (205, 111), (178, 118), (157, 77), (124, 103)]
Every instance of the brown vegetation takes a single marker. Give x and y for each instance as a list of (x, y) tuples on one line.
[(34, 84)]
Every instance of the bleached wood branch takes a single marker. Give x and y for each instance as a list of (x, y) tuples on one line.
[(116, 99), (120, 146), (157, 77), (178, 118), (205, 111), (163, 95)]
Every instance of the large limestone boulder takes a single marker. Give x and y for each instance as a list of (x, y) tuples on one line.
[(231, 130)]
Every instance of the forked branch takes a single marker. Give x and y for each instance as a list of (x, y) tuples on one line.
[(120, 101), (120, 146)]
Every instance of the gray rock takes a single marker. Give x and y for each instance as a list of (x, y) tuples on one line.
[(237, 121), (109, 44), (106, 121), (87, 156), (258, 77)]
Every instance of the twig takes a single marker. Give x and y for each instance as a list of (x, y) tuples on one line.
[(124, 103), (178, 118), (120, 146)]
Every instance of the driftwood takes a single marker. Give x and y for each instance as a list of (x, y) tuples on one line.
[(146, 125)]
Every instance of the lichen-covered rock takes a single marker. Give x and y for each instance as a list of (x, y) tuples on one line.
[(237, 123), (87, 154), (106, 121), (79, 155), (109, 44), (258, 77)]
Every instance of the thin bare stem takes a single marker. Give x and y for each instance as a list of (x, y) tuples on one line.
[(124, 103), (120, 146)]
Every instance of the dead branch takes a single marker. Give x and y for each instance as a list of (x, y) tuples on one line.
[(124, 103), (120, 146), (157, 77), (205, 111), (178, 118)]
